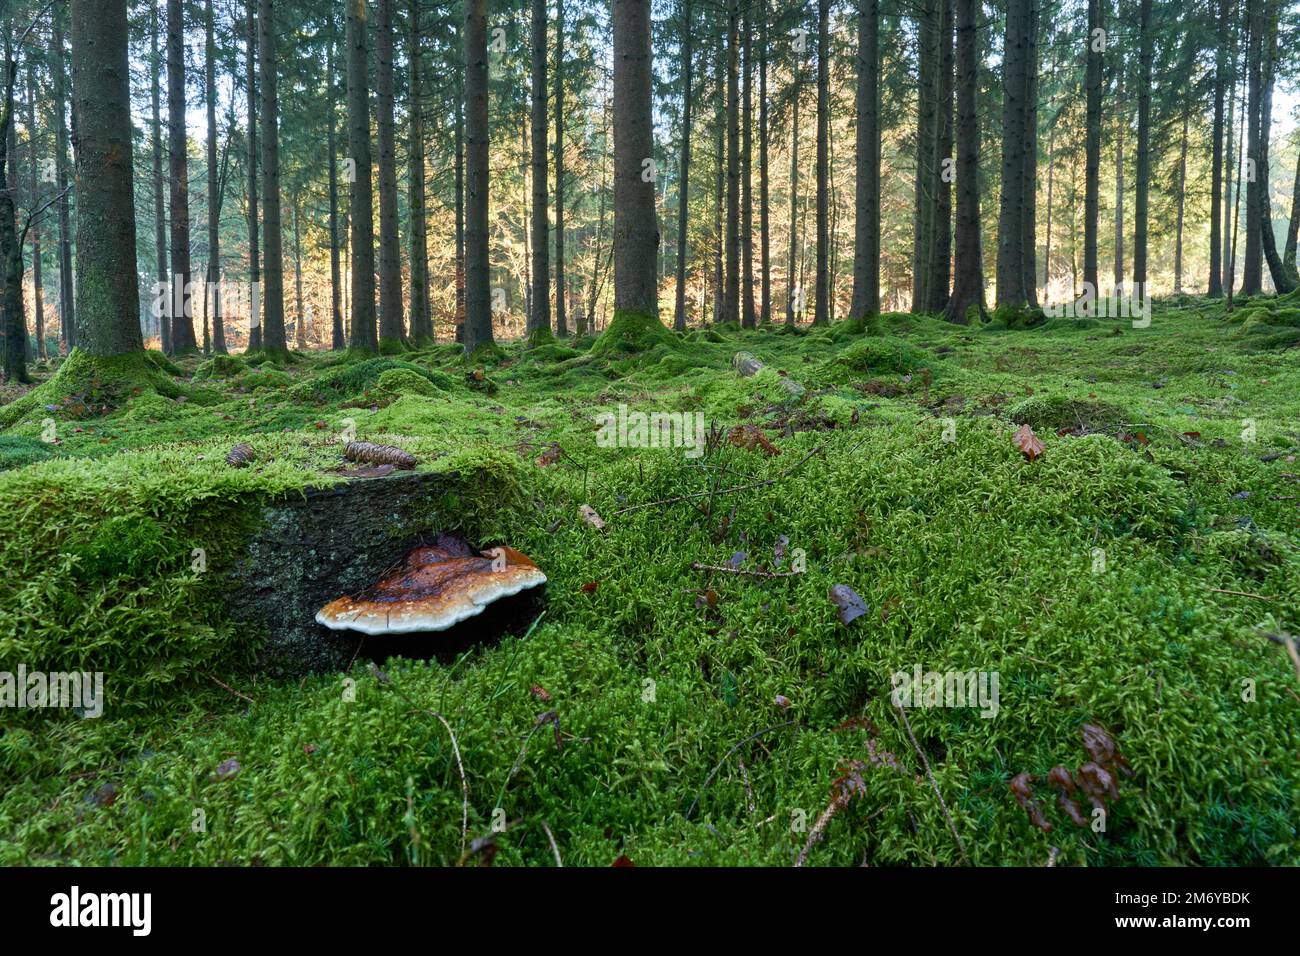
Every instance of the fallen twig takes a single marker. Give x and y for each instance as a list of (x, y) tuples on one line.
[(223, 685), (714, 773), (696, 566), (554, 849), (935, 786), (1258, 597)]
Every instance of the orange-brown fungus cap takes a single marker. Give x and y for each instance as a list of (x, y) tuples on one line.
[(432, 589)]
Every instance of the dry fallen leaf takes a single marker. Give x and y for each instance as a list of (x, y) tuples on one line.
[(848, 601), (751, 438), (1029, 444), (590, 516)]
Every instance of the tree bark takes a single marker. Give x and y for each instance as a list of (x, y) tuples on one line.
[(1252, 266), (764, 215), (391, 330), (747, 317), (968, 277), (67, 309), (478, 304), (561, 288), (731, 311), (1215, 286), (923, 199), (12, 306), (108, 294), (180, 302), (1029, 208), (1011, 290), (866, 247), (1282, 283), (364, 334), (213, 290), (636, 231), (792, 285), (421, 320), (940, 252), (1181, 198), (1142, 188), (34, 231), (684, 176), (254, 216), (337, 341), (821, 314), (539, 316), (1092, 144), (273, 334)]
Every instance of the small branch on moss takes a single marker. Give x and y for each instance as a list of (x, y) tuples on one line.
[(224, 686), (696, 566), (1258, 597), (934, 786), (554, 849), (714, 773)]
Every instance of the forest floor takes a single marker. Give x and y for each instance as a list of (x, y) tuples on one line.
[(1139, 574)]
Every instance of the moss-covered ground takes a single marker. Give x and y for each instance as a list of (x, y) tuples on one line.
[(1131, 576)]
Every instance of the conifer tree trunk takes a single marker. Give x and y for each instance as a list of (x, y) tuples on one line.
[(792, 285), (1215, 287), (636, 231), (364, 334), (273, 334), (822, 314), (561, 285), (337, 340), (12, 306), (1029, 207), (1252, 266), (1121, 127), (1181, 198), (1282, 283), (923, 210), (421, 318), (179, 301), (1092, 143), (67, 308), (747, 317), (539, 316), (764, 215), (213, 291), (1011, 290), (108, 294), (731, 311), (940, 252), (1141, 212), (684, 177), (34, 231), (478, 304), (391, 329), (254, 216), (968, 273), (866, 246)]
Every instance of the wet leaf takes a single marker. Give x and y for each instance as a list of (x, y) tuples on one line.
[(848, 601)]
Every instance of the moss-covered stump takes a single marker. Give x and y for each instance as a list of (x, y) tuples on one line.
[(310, 549)]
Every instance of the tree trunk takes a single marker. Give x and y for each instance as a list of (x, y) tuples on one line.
[(300, 326), (421, 322), (1215, 288), (764, 215), (747, 318), (539, 316), (731, 311), (1252, 267), (213, 290), (1011, 290), (923, 199), (391, 332), (1121, 127), (459, 318), (34, 231), (968, 277), (179, 302), (337, 340), (478, 304), (1029, 209), (636, 231), (12, 307), (67, 310), (1141, 212), (679, 314), (254, 238), (561, 288), (1092, 144), (940, 253), (273, 334), (720, 183), (364, 334), (1282, 283), (866, 246), (1232, 158), (821, 314), (108, 293)]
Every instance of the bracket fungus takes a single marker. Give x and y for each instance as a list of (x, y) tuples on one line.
[(433, 588)]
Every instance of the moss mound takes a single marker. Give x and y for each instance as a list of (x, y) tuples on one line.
[(884, 354), (258, 378), (163, 364), (403, 381), (19, 450), (86, 385), (632, 332), (351, 378), (221, 366), (1055, 412)]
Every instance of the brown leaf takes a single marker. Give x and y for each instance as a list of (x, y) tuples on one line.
[(1029, 444), (751, 438), (550, 456), (623, 860), (590, 587), (1020, 789), (541, 694)]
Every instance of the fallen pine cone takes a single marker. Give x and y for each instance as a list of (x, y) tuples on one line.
[(240, 456), (373, 454)]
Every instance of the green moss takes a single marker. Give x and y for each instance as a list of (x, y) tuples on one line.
[(163, 363), (404, 381), (222, 366), (1053, 412), (87, 384), (885, 354), (631, 332), (351, 378), (18, 450), (257, 378)]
